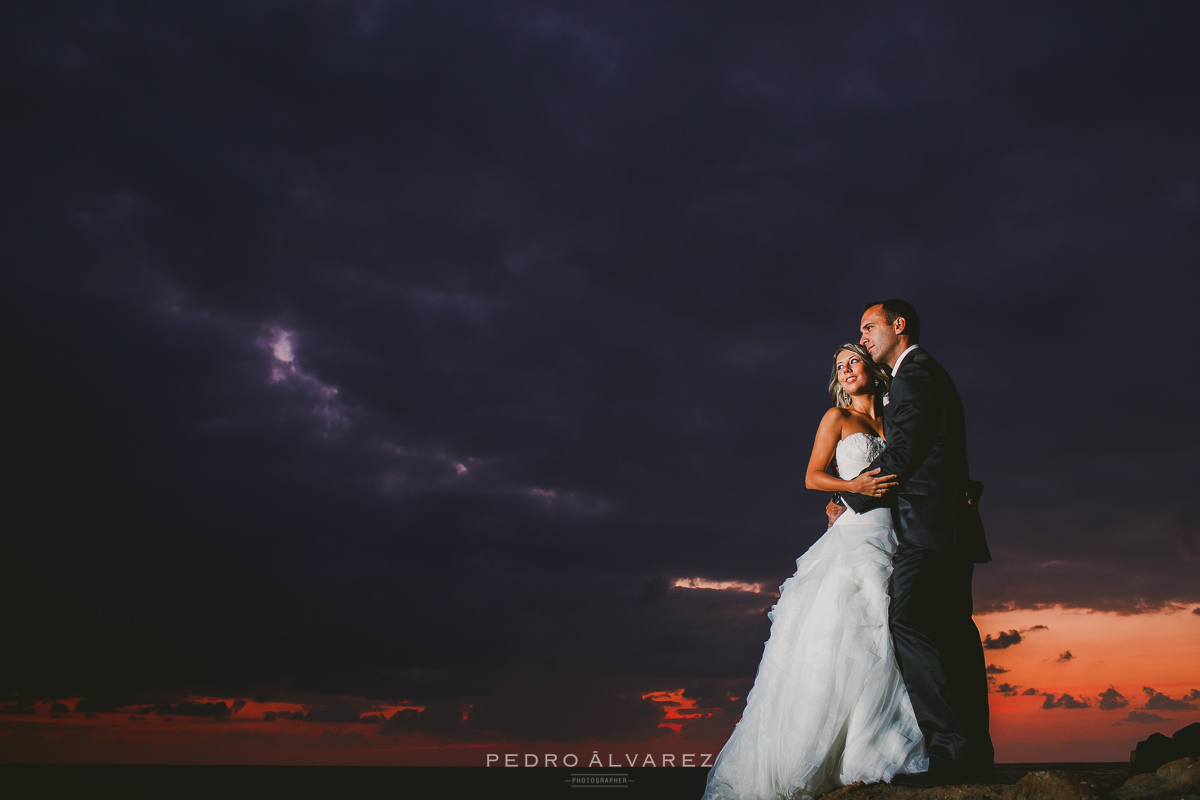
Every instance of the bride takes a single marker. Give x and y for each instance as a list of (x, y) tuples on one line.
[(828, 706)]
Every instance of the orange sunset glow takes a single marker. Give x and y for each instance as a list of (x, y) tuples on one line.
[(1083, 654), (1068, 685)]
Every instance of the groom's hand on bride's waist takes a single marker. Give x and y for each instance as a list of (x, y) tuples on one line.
[(834, 510)]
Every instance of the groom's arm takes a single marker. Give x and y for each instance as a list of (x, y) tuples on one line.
[(860, 502), (910, 423)]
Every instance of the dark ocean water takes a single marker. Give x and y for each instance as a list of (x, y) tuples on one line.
[(18, 781)]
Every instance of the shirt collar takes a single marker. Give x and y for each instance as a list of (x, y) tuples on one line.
[(900, 360)]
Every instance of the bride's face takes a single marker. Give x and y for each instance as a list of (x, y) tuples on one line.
[(852, 374)]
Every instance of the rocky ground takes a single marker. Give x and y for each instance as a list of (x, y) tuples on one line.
[(1160, 768), (1178, 780), (1172, 781)]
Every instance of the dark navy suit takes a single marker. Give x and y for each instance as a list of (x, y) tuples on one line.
[(940, 540)]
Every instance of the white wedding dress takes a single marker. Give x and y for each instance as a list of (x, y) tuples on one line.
[(828, 706)]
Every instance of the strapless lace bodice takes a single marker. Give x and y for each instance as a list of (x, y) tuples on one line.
[(854, 454)]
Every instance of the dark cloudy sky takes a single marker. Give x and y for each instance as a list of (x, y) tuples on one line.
[(411, 351)]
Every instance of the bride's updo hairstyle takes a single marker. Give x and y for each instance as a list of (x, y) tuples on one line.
[(883, 379)]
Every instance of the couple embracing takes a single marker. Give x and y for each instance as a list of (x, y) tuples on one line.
[(874, 669)]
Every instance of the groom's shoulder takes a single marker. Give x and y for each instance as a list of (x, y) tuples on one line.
[(922, 356), (927, 370), (922, 362), (917, 363), (920, 369)]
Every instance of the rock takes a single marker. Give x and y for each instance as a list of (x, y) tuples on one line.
[(1158, 749), (1052, 785), (1151, 753), (1189, 739), (1169, 782), (872, 791)]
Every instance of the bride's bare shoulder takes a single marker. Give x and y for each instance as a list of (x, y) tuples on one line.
[(834, 419)]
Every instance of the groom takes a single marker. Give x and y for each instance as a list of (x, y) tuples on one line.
[(940, 541)]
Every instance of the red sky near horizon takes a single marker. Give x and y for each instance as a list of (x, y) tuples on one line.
[(1071, 685)]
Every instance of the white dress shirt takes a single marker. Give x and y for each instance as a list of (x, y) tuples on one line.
[(887, 397), (900, 360)]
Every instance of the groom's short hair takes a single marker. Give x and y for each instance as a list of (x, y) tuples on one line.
[(893, 309)]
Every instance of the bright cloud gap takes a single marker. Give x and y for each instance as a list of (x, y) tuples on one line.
[(705, 583), (287, 370)]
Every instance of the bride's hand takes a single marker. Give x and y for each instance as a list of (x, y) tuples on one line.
[(872, 484)]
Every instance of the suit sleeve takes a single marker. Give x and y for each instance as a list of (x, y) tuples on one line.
[(861, 503), (910, 421), (911, 425)]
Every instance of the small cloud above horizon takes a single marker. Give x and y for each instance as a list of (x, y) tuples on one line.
[(1002, 640), (1006, 639), (1064, 701), (1111, 699), (1157, 701)]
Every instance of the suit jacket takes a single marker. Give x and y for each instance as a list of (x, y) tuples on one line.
[(927, 451)]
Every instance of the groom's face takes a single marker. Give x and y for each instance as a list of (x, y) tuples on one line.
[(879, 336)]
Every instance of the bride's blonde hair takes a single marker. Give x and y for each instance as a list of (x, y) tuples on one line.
[(883, 379)]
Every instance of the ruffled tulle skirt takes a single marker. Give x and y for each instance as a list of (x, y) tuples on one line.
[(828, 706)]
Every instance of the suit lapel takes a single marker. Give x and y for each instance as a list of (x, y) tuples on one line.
[(888, 407)]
